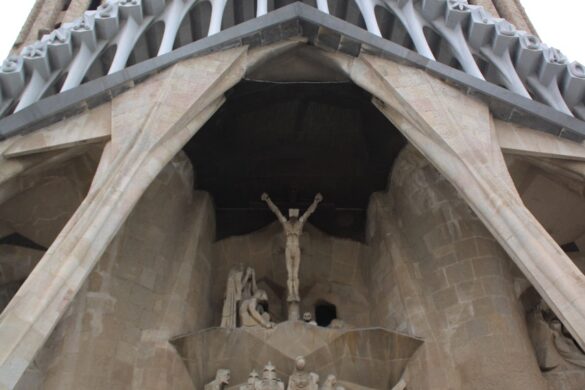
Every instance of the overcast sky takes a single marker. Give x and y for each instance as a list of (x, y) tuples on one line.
[(560, 25)]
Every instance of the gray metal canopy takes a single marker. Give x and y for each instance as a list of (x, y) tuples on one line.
[(88, 61)]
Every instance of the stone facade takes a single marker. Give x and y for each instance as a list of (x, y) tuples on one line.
[(460, 268), (47, 15)]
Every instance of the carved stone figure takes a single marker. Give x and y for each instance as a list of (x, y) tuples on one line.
[(554, 347), (254, 382), (302, 380), (222, 378), (329, 383), (251, 312), (241, 285), (269, 379), (293, 229), (565, 345), (308, 318)]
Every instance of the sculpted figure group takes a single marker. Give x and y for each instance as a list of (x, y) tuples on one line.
[(244, 298), (299, 379)]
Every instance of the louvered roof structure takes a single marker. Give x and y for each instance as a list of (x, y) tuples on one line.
[(124, 40)]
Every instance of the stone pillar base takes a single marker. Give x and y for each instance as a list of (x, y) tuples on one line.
[(294, 313)]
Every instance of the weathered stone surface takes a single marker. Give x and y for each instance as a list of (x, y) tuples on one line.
[(514, 139), (372, 357), (93, 126), (455, 133), (136, 266), (455, 290), (145, 136)]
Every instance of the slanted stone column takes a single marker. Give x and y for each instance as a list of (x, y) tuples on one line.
[(150, 124), (473, 325), (151, 284), (456, 134)]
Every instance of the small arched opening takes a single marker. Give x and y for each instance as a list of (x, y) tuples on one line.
[(325, 313)]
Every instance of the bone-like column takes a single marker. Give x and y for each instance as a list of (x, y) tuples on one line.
[(455, 132), (150, 124)]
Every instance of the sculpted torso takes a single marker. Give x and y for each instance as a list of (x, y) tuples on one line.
[(292, 232), (293, 228)]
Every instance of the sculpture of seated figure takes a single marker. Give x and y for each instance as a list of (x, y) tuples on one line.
[(269, 379), (252, 314), (301, 380), (254, 382), (222, 378)]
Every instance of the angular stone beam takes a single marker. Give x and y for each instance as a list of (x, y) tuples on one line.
[(150, 124), (516, 139), (92, 126), (455, 132)]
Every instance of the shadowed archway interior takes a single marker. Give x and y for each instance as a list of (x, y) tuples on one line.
[(294, 140)]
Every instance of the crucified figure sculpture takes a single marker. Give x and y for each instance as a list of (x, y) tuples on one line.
[(293, 228)]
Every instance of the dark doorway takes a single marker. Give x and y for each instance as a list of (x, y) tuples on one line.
[(325, 312)]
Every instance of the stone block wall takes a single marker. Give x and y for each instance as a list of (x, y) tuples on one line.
[(450, 284), (151, 285)]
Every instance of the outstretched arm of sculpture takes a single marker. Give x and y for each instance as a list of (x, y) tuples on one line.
[(273, 207), (312, 208)]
